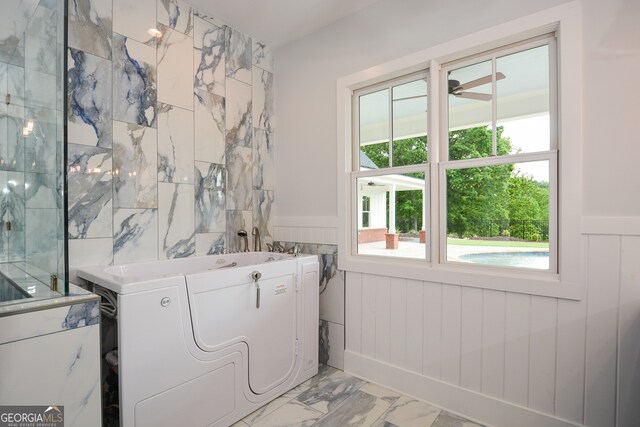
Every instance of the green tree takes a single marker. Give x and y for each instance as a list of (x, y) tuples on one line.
[(528, 208), (477, 197), (482, 201)]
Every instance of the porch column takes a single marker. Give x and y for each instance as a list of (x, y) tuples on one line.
[(423, 232), (392, 209), (391, 236)]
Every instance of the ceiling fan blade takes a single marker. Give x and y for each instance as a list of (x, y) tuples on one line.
[(479, 82), (474, 95)]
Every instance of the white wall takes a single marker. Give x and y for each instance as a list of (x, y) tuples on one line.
[(488, 354), (308, 69)]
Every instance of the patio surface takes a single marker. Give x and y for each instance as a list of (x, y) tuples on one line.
[(414, 249)]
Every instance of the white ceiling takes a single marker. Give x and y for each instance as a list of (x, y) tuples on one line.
[(278, 22)]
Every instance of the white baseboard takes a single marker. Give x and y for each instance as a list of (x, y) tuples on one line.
[(479, 407)]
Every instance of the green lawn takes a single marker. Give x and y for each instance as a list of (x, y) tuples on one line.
[(509, 244)]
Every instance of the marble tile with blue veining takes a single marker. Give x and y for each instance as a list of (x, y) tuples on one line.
[(175, 144), (176, 14), (81, 315), (41, 144), (330, 392), (263, 160), (336, 345), (134, 82), (238, 52), (263, 101), (16, 14), (411, 413), (41, 32), (135, 235), (331, 289), (328, 270), (359, 409), (135, 165), (12, 141), (89, 96), (328, 249), (90, 26), (210, 244), (323, 342), (210, 197), (238, 121), (134, 19), (15, 84), (176, 227), (236, 221), (290, 414), (309, 248), (41, 244), (209, 113), (262, 56), (209, 18), (90, 193), (41, 191), (239, 174), (263, 213), (209, 57), (175, 65), (447, 419)]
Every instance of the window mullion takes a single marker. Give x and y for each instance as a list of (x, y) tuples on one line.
[(390, 89), (494, 108)]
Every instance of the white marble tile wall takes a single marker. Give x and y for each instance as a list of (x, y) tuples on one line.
[(171, 135)]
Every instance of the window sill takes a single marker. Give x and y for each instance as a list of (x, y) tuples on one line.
[(525, 282)]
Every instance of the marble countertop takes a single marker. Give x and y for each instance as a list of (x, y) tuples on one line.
[(41, 296)]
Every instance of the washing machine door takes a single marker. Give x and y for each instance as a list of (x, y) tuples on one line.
[(228, 307)]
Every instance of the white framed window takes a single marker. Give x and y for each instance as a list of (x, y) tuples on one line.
[(497, 166), (498, 162), (390, 154)]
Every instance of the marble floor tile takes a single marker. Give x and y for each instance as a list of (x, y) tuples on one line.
[(446, 419), (293, 414), (409, 412), (330, 392), (359, 409), (352, 402), (380, 392)]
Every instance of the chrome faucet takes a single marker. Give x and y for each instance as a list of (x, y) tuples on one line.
[(257, 244), (243, 234)]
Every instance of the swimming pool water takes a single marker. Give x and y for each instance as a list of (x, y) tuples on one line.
[(536, 260)]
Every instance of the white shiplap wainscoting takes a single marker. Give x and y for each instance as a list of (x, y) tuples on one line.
[(506, 358), (321, 230)]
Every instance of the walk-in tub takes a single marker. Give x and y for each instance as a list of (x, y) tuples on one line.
[(207, 340)]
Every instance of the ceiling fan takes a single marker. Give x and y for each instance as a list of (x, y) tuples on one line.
[(460, 90)]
